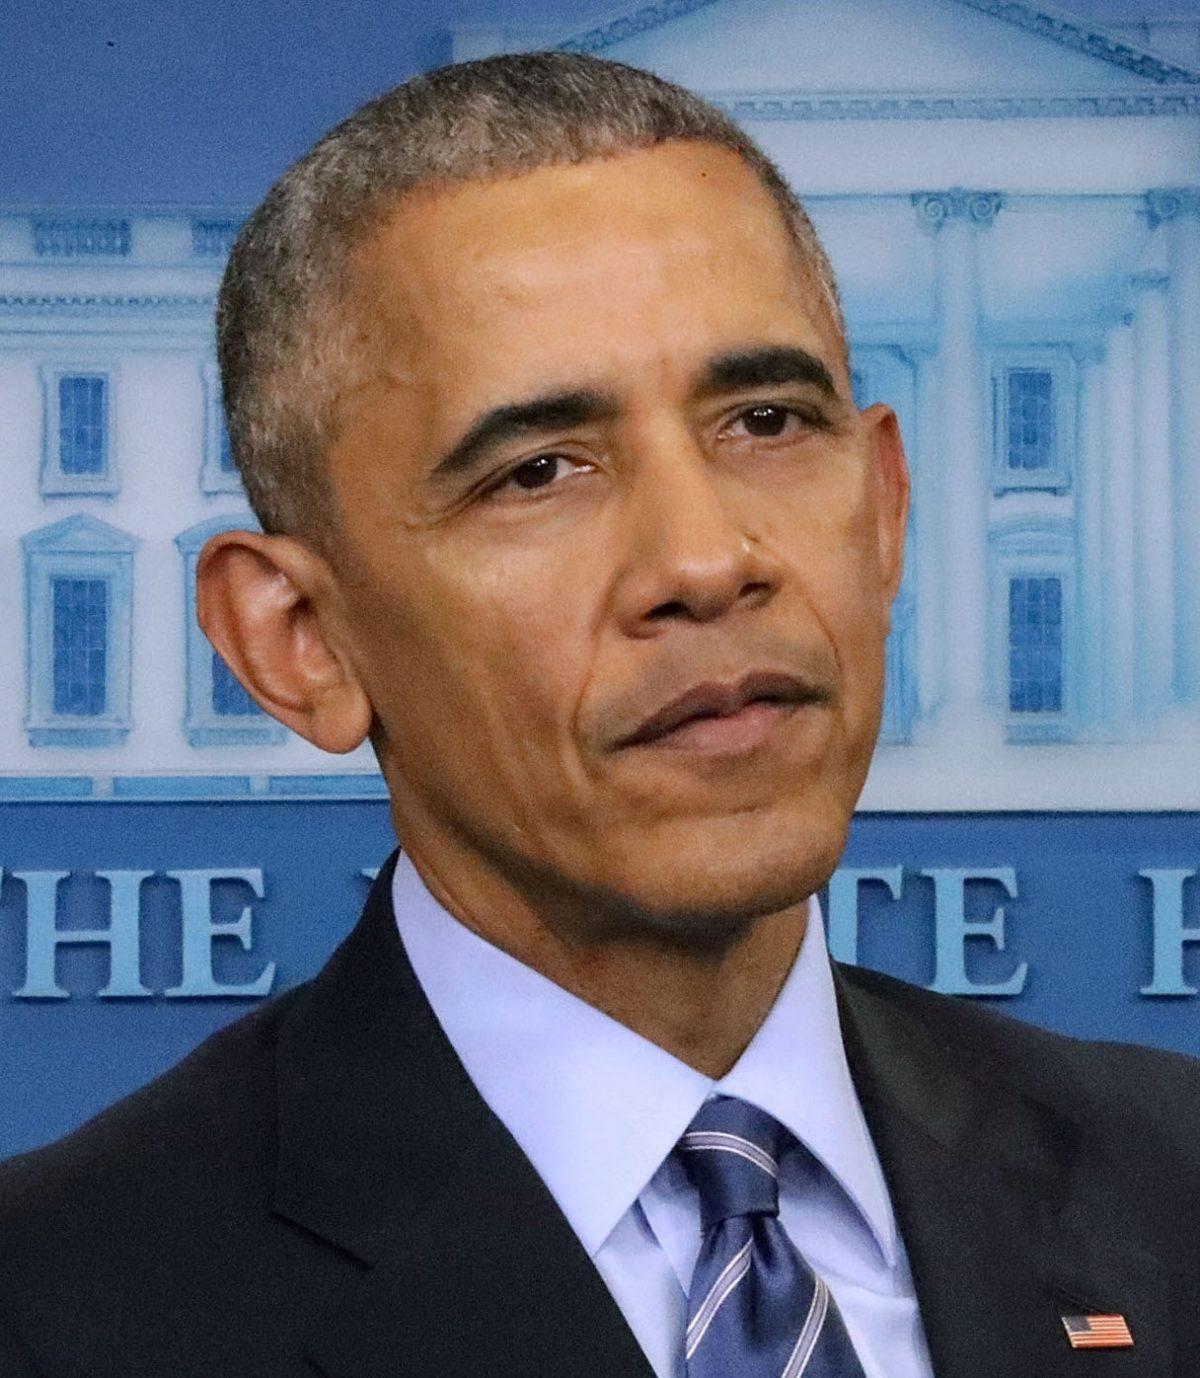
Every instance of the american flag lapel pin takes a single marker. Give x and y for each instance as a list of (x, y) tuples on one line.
[(1097, 1332)]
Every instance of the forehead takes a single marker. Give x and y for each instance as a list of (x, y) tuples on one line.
[(670, 246)]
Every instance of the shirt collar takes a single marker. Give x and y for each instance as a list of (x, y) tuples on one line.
[(795, 1069), (605, 1106)]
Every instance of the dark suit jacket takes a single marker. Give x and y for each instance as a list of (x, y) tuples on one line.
[(319, 1189)]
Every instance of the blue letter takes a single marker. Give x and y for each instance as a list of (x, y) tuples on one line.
[(200, 932), (843, 905), (952, 930), (1170, 934), (43, 937)]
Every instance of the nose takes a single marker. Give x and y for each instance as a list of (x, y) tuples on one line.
[(690, 549)]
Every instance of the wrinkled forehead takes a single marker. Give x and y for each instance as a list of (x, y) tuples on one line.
[(575, 260)]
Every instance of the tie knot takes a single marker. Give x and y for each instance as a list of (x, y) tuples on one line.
[(730, 1151)]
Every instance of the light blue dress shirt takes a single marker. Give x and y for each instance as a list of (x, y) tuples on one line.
[(597, 1109)]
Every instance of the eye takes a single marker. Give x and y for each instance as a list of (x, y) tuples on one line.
[(540, 471), (768, 421)]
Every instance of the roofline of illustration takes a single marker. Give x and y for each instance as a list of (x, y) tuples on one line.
[(1056, 26)]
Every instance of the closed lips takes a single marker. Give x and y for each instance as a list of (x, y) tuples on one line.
[(712, 699)]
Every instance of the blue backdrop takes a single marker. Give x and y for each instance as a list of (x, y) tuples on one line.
[(176, 118), (1079, 933)]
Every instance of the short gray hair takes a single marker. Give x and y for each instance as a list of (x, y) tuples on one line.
[(289, 334)]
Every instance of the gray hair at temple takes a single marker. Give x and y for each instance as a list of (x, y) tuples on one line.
[(294, 327)]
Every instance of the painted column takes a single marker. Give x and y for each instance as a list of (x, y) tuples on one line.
[(957, 217), (1117, 586), (928, 535), (898, 376), (1089, 534), (1178, 212), (1154, 658)]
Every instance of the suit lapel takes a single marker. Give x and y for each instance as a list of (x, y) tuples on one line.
[(1003, 1226), (461, 1261)]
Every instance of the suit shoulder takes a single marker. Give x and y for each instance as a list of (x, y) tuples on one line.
[(216, 1104), (1117, 1081), (157, 1216)]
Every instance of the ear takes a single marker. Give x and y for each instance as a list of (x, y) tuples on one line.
[(890, 479), (270, 606)]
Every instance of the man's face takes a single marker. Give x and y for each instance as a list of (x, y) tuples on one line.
[(610, 455)]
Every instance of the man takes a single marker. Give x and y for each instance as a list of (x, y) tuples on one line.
[(536, 375)]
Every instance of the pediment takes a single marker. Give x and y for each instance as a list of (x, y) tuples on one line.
[(977, 47), (82, 535), (194, 537)]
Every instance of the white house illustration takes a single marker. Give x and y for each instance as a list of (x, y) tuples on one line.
[(1011, 198)]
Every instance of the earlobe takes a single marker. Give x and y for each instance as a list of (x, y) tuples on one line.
[(269, 606)]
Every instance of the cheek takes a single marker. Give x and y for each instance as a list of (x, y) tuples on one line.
[(833, 555), (493, 656), (828, 531)]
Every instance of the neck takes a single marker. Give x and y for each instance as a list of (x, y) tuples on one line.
[(703, 1010), (701, 1004)]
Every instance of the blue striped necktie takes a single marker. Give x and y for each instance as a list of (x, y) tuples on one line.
[(756, 1309)]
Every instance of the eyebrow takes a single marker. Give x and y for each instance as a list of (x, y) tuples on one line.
[(771, 365), (520, 420)]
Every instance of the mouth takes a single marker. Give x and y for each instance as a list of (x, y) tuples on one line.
[(730, 734), (717, 718)]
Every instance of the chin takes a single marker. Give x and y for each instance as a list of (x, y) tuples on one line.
[(710, 883)]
